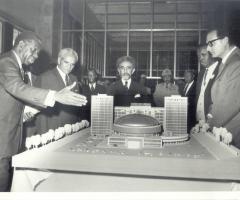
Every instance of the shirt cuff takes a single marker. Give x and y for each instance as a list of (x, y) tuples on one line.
[(50, 99)]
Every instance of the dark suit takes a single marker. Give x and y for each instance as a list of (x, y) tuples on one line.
[(225, 107), (86, 91), (14, 93), (59, 115), (124, 96), (191, 94), (207, 92)]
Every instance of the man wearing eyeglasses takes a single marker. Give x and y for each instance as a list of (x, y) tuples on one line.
[(225, 108)]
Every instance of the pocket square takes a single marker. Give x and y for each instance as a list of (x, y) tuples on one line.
[(137, 96)]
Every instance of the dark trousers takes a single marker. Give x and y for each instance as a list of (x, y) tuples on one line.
[(5, 174)]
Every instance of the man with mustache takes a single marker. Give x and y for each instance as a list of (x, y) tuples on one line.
[(126, 90)]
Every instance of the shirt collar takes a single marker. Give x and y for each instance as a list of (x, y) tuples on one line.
[(228, 54), (18, 59), (129, 82), (92, 84), (62, 74)]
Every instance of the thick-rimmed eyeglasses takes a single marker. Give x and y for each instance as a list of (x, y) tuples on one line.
[(210, 43)]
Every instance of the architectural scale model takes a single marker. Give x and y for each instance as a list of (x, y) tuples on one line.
[(140, 124), (175, 114), (146, 109), (101, 115)]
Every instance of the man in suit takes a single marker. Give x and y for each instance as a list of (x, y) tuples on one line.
[(165, 89), (190, 92), (205, 79), (225, 108), (56, 79), (14, 94), (92, 88), (125, 90)]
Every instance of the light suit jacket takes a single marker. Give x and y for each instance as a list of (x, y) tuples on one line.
[(225, 94), (14, 93)]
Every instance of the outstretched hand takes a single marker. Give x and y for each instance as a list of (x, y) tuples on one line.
[(67, 97)]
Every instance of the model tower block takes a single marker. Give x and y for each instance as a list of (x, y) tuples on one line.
[(101, 115), (176, 114)]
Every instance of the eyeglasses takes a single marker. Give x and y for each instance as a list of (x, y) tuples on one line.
[(210, 43)]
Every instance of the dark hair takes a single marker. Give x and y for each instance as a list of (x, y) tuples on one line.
[(201, 46), (222, 32), (126, 58), (191, 71), (27, 36), (92, 70)]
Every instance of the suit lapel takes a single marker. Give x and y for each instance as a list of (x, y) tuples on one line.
[(16, 64), (222, 67), (59, 78)]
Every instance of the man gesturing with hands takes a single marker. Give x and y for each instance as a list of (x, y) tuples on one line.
[(15, 93)]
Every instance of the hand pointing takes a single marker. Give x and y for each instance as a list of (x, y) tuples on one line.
[(66, 96)]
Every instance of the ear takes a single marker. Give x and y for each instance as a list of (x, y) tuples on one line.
[(226, 40), (21, 44), (58, 60), (118, 70)]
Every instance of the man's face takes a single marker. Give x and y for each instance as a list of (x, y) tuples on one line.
[(66, 64), (30, 52), (204, 57), (215, 45), (92, 76), (167, 78), (188, 77), (125, 70)]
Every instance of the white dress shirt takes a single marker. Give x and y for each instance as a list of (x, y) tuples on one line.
[(188, 87), (128, 82), (228, 54), (200, 104), (50, 98), (92, 85), (63, 75)]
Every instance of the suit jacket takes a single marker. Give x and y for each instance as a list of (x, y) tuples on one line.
[(124, 97), (86, 91), (191, 94), (207, 93), (14, 93), (59, 115), (225, 96)]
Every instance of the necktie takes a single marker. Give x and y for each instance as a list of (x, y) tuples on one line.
[(185, 88), (91, 87), (26, 78), (126, 85), (67, 80), (205, 76)]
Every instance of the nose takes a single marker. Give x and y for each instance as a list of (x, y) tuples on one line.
[(208, 48)]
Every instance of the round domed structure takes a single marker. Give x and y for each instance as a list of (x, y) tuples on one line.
[(137, 124)]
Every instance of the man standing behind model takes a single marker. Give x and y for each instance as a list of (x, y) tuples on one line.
[(206, 77), (126, 90), (92, 88), (225, 108), (190, 92), (56, 79), (14, 94)]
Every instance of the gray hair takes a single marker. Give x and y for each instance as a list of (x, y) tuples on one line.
[(68, 52)]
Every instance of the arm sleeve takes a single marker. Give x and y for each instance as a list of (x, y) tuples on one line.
[(13, 84)]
